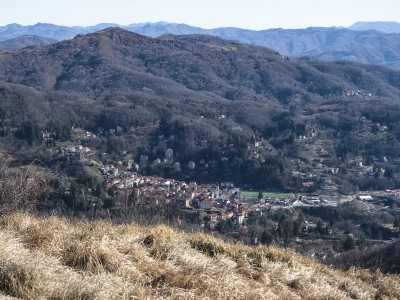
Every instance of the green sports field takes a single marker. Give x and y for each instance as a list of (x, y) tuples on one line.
[(254, 194)]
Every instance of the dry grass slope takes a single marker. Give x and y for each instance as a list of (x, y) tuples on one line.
[(54, 259)]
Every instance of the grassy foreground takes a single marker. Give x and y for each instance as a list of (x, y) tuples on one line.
[(54, 259)]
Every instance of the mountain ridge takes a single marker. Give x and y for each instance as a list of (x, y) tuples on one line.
[(127, 49), (24, 41), (326, 43), (386, 27)]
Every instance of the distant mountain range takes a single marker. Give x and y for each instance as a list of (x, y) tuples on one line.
[(386, 27), (26, 41), (361, 42)]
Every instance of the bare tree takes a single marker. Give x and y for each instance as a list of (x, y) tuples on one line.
[(19, 188)]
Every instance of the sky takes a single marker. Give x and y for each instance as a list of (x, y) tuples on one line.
[(249, 14)]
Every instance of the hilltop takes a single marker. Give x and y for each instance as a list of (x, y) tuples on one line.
[(54, 259)]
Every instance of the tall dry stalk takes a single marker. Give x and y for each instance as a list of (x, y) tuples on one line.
[(19, 189)]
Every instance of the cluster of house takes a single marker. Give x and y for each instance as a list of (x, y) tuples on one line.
[(221, 201), (356, 93), (319, 175), (310, 133), (259, 149), (168, 161), (358, 168), (370, 126), (75, 152)]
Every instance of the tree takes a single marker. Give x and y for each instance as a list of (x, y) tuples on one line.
[(388, 173), (266, 237), (322, 228), (19, 189), (396, 222), (226, 226), (29, 132), (349, 243), (285, 230), (369, 161), (63, 132)]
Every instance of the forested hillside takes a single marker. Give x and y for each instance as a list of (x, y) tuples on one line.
[(196, 89)]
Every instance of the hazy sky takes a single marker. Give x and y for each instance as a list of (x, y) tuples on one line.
[(252, 14)]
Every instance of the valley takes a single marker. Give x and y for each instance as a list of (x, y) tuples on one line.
[(208, 135)]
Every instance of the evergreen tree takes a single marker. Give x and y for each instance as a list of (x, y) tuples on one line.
[(349, 243), (266, 237), (396, 223), (29, 132)]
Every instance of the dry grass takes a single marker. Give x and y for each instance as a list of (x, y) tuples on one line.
[(54, 259)]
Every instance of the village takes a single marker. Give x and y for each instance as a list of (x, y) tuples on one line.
[(318, 187), (215, 204), (223, 201)]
